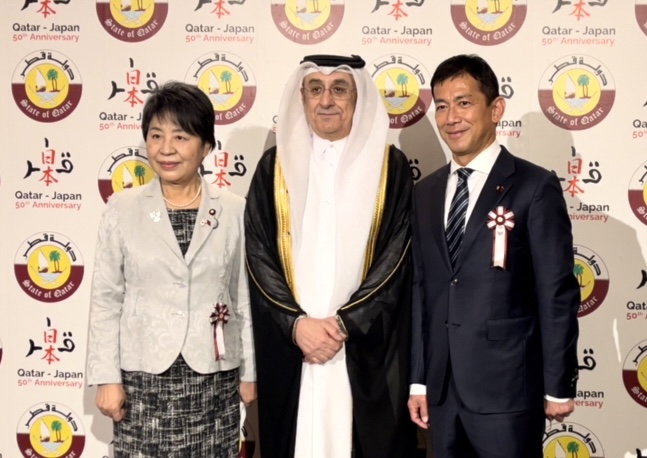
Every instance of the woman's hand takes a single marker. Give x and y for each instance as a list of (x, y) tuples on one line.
[(110, 400), (248, 392)]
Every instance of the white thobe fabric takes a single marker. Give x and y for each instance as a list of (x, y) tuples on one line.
[(324, 422), (329, 239)]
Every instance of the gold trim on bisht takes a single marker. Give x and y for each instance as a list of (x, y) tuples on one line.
[(282, 204), (260, 288), (378, 213), (384, 282)]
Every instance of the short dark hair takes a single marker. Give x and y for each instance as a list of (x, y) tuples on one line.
[(472, 65), (185, 105)]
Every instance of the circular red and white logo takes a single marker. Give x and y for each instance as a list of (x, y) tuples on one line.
[(50, 430), (229, 83), (593, 278), (132, 20), (403, 83), (125, 168), (487, 22), (638, 193), (571, 439), (576, 92), (46, 86), (634, 373), (641, 15), (307, 21), (48, 267)]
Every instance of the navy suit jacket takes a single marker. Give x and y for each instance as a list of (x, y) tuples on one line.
[(510, 334)]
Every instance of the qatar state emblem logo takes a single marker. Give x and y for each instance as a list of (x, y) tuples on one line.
[(403, 83), (229, 83), (46, 86), (638, 193), (592, 277), (570, 439), (634, 373), (132, 21), (307, 21), (48, 267), (50, 431), (576, 92), (125, 168), (488, 22), (641, 15)]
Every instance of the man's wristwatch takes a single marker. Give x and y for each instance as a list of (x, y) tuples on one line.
[(342, 326)]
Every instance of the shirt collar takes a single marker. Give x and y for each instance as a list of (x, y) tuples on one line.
[(321, 148), (483, 162)]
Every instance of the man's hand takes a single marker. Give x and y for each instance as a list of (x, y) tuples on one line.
[(248, 392), (318, 339), (418, 410), (558, 410), (110, 400)]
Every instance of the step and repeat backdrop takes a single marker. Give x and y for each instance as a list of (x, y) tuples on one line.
[(75, 75)]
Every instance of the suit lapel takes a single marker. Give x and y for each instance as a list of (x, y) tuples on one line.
[(207, 221), (155, 209), (437, 191), (498, 184)]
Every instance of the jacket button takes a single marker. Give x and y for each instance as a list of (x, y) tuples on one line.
[(454, 282)]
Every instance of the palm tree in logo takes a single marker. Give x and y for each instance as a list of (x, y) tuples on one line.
[(140, 5), (573, 448), (584, 80), (402, 80), (52, 75), (315, 6), (55, 257), (497, 6), (578, 271), (140, 173), (225, 77), (57, 427)]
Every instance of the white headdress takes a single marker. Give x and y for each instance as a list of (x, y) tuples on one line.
[(357, 179)]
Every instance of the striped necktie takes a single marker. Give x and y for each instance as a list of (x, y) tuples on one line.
[(456, 216)]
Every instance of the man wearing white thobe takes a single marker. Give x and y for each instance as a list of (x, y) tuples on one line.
[(327, 235)]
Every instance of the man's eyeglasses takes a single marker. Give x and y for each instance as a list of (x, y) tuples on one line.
[(336, 92)]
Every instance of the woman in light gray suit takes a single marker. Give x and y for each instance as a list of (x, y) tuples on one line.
[(170, 343)]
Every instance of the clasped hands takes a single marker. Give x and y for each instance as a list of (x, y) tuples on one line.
[(318, 339)]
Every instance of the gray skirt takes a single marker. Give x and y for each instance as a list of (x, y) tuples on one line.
[(178, 414)]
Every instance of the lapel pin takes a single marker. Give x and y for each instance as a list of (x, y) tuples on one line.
[(499, 188), (212, 213), (155, 216)]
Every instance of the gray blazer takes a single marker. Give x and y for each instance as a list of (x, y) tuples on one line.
[(149, 303)]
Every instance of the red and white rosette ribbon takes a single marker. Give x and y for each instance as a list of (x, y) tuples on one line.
[(500, 221), (219, 319)]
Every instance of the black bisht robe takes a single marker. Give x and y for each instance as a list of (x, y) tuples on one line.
[(377, 317)]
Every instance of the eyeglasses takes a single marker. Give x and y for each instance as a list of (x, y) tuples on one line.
[(336, 92)]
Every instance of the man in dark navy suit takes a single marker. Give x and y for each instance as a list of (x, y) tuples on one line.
[(495, 299)]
